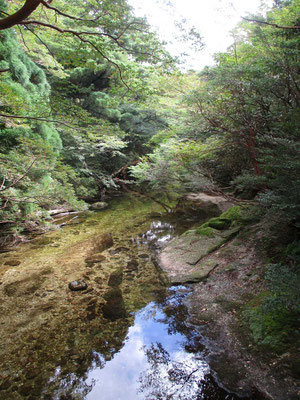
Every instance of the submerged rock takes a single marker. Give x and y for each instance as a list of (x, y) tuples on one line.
[(13, 262), (100, 205), (103, 242), (114, 308), (144, 255), (132, 265), (94, 259), (115, 278), (118, 250), (77, 285)]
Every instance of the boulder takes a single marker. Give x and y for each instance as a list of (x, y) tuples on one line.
[(182, 258), (203, 205), (100, 205)]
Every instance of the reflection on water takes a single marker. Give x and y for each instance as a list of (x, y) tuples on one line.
[(125, 337), (148, 356), (161, 359)]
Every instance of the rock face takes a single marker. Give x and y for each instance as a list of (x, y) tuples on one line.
[(100, 205), (203, 205), (182, 257)]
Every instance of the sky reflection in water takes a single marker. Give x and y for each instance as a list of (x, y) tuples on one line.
[(119, 379)]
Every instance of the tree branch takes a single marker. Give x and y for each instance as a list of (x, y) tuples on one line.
[(271, 24), (36, 119), (82, 39), (68, 15), (20, 15), (17, 180)]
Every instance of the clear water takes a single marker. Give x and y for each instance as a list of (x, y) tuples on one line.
[(57, 345)]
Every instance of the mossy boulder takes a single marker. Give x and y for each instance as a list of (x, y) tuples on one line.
[(224, 221)]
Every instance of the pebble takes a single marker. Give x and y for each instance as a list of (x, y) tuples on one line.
[(77, 285)]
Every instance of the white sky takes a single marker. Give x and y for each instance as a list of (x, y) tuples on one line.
[(213, 18)]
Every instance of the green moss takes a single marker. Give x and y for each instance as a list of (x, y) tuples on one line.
[(206, 231), (218, 223), (232, 214), (224, 221)]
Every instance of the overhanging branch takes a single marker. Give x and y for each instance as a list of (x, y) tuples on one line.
[(20, 15), (271, 24)]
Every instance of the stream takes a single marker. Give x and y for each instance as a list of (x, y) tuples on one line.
[(124, 337)]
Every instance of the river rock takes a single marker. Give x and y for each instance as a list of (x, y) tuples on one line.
[(100, 205), (203, 205), (118, 250), (77, 285), (115, 278), (94, 259), (103, 242), (114, 308), (13, 262), (132, 265)]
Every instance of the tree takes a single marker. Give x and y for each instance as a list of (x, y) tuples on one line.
[(18, 17)]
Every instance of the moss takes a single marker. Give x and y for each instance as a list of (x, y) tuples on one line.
[(224, 221), (232, 214), (206, 231), (218, 223)]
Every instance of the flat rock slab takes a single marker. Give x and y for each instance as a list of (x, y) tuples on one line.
[(182, 257)]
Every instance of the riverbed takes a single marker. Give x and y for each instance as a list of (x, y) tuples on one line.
[(123, 336)]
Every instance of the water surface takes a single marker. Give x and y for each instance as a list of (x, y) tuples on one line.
[(125, 337)]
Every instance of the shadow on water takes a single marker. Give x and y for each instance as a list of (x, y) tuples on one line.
[(126, 339)]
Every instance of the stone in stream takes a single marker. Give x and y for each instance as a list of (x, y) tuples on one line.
[(118, 250), (94, 259), (115, 278), (114, 308), (103, 242), (100, 205), (132, 265), (13, 262), (77, 285)]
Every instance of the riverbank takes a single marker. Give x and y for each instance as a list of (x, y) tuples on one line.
[(225, 266)]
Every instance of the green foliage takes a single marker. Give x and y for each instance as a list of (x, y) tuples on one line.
[(274, 318), (175, 165), (250, 100)]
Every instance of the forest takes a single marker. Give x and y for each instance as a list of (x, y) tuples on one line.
[(93, 105)]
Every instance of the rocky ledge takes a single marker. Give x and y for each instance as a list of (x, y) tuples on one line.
[(221, 261)]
